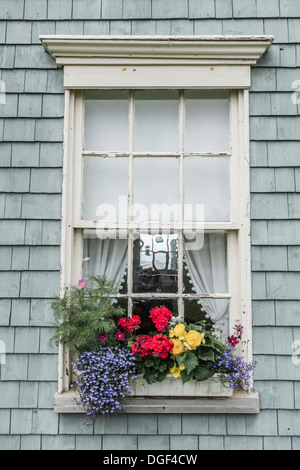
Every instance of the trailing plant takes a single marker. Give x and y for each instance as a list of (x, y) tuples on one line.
[(104, 379), (233, 368), (84, 312)]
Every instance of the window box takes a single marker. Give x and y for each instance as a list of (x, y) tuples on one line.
[(170, 387)]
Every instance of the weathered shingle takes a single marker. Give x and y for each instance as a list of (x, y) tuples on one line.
[(12, 10), (16, 130), (35, 10), (41, 206), (30, 105), (164, 9), (12, 232), (267, 9), (46, 180), (289, 8), (202, 9), (27, 340), (244, 8), (18, 32), (223, 8), (136, 9), (39, 284), (58, 10), (33, 57), (86, 9)]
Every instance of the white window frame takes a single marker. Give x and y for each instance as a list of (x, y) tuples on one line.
[(161, 62)]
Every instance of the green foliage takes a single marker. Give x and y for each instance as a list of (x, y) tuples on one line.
[(196, 363), (81, 314), (153, 369)]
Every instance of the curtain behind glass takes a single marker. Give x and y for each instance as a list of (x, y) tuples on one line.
[(104, 257), (208, 272)]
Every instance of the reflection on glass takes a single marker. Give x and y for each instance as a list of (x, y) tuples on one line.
[(105, 188), (156, 189), (142, 307), (155, 267), (194, 312), (156, 121), (205, 269), (106, 120), (207, 121), (206, 181), (200, 310), (121, 302)]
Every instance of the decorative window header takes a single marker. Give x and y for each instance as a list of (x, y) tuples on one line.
[(126, 61)]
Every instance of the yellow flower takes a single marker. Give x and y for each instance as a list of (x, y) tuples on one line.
[(175, 371), (178, 331), (194, 339), (178, 347)]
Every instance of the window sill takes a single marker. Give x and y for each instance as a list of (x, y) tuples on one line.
[(239, 402)]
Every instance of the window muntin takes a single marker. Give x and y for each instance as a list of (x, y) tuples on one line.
[(168, 176)]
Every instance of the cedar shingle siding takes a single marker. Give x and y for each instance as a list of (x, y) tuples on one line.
[(31, 131)]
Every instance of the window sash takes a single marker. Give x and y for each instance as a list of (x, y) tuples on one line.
[(238, 228), (181, 155)]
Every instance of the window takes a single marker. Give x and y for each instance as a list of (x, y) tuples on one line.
[(156, 186)]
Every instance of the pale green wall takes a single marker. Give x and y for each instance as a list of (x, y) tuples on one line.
[(31, 129)]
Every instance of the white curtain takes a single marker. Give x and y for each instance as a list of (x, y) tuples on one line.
[(207, 268), (105, 257)]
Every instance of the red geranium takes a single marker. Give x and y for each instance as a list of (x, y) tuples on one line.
[(161, 345), (152, 345), (129, 323), (142, 345), (160, 317)]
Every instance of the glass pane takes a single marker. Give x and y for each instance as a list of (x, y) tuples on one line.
[(156, 188), (194, 312), (206, 121), (156, 121), (142, 307), (105, 257), (199, 310), (155, 263), (106, 120), (205, 268), (105, 188), (206, 182)]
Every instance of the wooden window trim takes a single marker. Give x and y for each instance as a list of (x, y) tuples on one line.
[(181, 62)]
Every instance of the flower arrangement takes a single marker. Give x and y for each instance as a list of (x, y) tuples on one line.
[(112, 353), (185, 351)]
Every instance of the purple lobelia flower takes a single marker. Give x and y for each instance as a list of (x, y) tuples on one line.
[(236, 370), (104, 379)]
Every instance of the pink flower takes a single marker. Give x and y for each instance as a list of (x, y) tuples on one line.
[(232, 340), (102, 337), (81, 283), (239, 330), (119, 335)]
